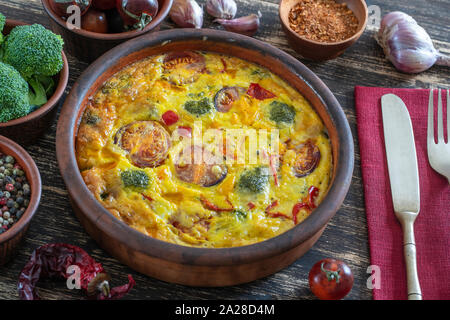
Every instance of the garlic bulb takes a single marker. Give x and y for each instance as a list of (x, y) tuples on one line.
[(247, 25), (187, 14), (222, 9), (407, 45)]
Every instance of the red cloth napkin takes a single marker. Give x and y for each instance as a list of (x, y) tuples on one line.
[(432, 226)]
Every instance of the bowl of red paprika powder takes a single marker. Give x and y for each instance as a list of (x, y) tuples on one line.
[(322, 29)]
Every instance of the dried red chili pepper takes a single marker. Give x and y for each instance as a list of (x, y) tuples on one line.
[(52, 261), (258, 92)]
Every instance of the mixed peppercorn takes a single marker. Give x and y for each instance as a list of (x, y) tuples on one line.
[(14, 192)]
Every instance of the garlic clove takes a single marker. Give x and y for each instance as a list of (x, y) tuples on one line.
[(394, 18), (247, 25), (187, 14), (412, 61), (222, 9), (407, 45)]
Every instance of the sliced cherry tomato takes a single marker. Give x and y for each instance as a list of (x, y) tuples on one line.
[(330, 279), (208, 172), (115, 22), (104, 4), (170, 117), (223, 101), (258, 92), (137, 13), (183, 67), (94, 21), (307, 159), (147, 143), (60, 6)]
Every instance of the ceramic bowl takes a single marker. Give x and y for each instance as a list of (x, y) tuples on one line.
[(87, 46), (203, 266), (28, 129), (320, 51), (10, 239)]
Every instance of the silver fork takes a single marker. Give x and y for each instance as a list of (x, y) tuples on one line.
[(439, 153)]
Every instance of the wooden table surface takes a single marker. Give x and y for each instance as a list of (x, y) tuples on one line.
[(344, 238)]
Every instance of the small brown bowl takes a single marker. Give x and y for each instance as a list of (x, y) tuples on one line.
[(10, 239), (28, 129), (320, 51), (88, 46), (202, 266)]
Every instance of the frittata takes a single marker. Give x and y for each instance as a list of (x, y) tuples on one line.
[(205, 150)]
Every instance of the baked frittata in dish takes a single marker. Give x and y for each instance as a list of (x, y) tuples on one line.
[(204, 150)]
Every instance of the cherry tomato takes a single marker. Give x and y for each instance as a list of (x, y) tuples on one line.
[(115, 22), (225, 98), (104, 4), (137, 13), (147, 143), (330, 279), (60, 6), (94, 21)]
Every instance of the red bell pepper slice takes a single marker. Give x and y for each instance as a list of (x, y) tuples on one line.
[(170, 117), (211, 206), (258, 92), (308, 203)]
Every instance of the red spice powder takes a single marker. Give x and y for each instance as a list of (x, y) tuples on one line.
[(323, 20)]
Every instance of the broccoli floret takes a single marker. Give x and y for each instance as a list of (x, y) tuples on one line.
[(13, 94), (2, 21), (239, 214), (135, 178), (254, 180), (199, 107), (37, 54), (91, 118), (281, 112), (2, 25)]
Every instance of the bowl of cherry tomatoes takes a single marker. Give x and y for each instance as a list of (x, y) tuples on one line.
[(92, 27)]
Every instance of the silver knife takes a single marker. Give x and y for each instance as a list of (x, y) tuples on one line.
[(404, 179)]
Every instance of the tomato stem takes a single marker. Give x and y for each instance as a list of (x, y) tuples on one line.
[(331, 275)]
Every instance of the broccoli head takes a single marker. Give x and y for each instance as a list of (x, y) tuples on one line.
[(13, 94), (34, 50), (2, 25), (135, 178), (281, 112), (254, 180), (37, 54), (199, 107)]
